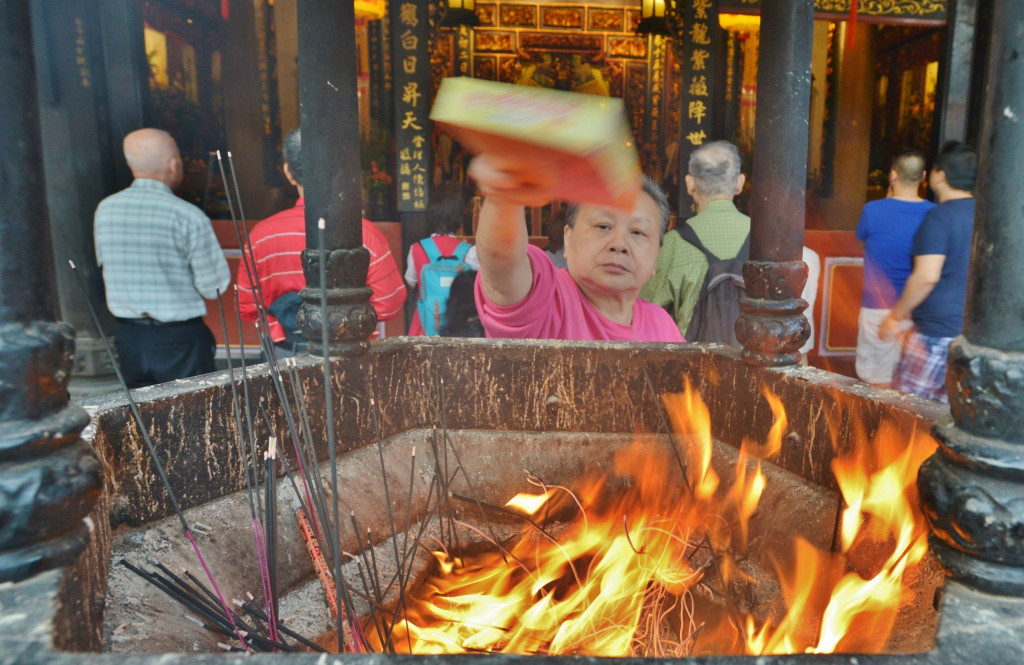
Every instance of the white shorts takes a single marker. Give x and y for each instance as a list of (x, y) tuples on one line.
[(876, 358)]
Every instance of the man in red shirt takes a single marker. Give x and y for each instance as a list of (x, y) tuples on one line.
[(276, 246)]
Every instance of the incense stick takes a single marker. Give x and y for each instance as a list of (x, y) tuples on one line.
[(149, 442), (261, 543), (246, 247), (258, 613), (270, 485), (458, 460), (248, 413), (332, 443), (668, 431), (236, 407), (384, 476)]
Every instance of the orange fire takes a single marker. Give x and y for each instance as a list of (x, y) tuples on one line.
[(620, 575)]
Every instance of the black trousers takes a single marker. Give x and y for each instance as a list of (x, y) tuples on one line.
[(152, 352)]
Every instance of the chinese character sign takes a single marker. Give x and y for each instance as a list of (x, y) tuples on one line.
[(701, 40), (411, 83)]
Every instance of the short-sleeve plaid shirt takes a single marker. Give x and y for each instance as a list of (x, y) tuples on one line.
[(159, 255), (681, 266)]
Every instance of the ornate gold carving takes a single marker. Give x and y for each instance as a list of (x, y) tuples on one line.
[(561, 40), (610, 20), (614, 76), (635, 93), (492, 41), (671, 126), (520, 16), (632, 19), (441, 62), (627, 47), (902, 7), (488, 14), (910, 8), (485, 67), (561, 17), (509, 69)]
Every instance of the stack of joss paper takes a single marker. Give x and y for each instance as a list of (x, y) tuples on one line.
[(584, 138)]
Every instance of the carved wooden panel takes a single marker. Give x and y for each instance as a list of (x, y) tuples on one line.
[(442, 63), (635, 93), (518, 16), (924, 9), (627, 47), (672, 79), (509, 68), (609, 20), (614, 74), (561, 17), (488, 15), (493, 41), (566, 41), (485, 67), (632, 20)]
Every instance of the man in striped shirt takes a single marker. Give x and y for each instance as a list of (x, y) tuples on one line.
[(276, 254), (160, 261)]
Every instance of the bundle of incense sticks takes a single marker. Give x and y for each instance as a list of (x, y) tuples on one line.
[(585, 139), (323, 573), (199, 600)]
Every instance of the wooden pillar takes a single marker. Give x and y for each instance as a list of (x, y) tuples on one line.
[(772, 327), (329, 117), (954, 102), (49, 478), (972, 487), (91, 74)]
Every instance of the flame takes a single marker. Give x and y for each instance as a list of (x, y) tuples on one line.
[(529, 504), (878, 484), (629, 558)]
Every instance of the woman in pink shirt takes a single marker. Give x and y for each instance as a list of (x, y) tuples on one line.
[(611, 253)]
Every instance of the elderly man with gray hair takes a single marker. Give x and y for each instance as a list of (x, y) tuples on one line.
[(714, 179)]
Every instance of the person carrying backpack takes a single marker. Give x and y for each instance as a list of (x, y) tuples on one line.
[(434, 262), (722, 242), (718, 301)]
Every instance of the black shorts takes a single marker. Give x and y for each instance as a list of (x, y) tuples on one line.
[(150, 352)]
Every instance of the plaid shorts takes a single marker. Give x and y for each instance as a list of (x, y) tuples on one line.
[(922, 367)]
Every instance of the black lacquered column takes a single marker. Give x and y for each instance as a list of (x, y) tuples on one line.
[(331, 174), (973, 487), (772, 327), (49, 478)]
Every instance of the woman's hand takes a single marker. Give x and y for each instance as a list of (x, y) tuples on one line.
[(512, 179)]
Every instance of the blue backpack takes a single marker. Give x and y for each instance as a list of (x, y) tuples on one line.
[(436, 282)]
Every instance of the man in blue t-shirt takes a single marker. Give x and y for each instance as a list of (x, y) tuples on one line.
[(937, 287), (887, 227)]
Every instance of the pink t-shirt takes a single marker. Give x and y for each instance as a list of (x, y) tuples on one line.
[(556, 308)]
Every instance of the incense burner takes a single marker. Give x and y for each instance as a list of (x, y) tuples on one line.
[(553, 408)]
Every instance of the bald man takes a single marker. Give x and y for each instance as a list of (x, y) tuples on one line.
[(161, 261)]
